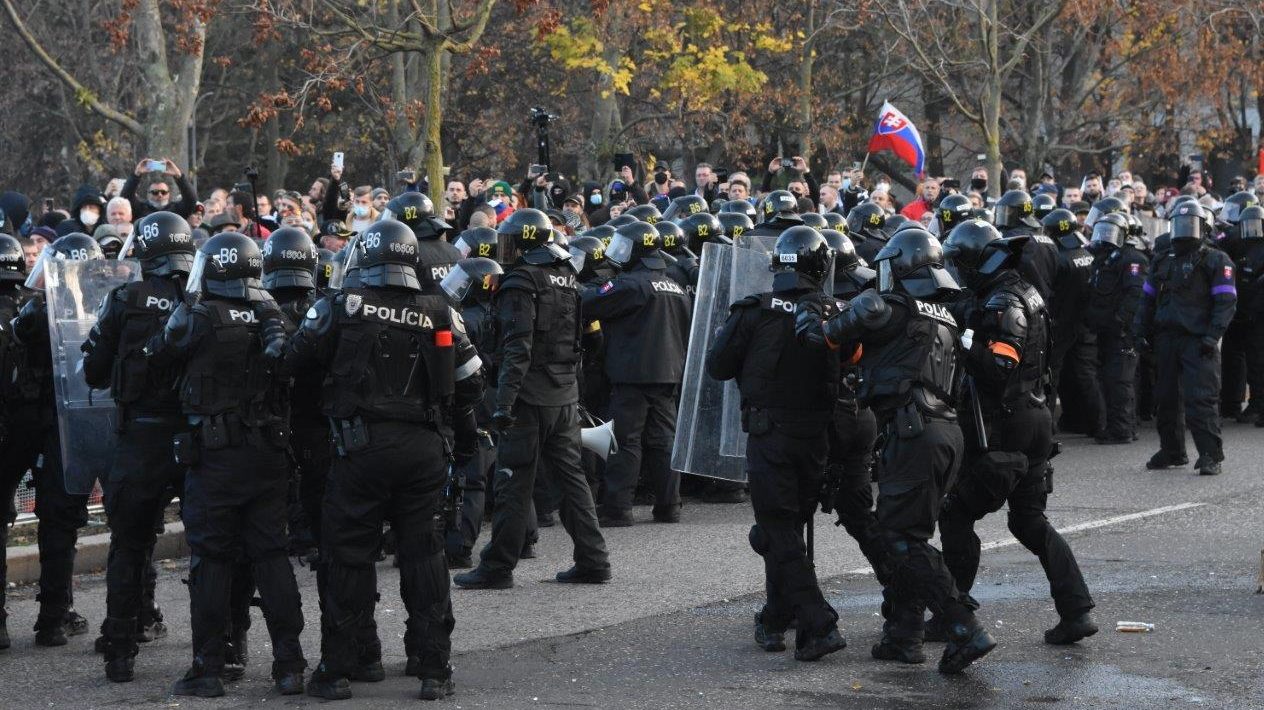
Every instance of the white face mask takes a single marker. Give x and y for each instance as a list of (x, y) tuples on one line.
[(89, 217)]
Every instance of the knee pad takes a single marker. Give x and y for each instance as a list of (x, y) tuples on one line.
[(758, 540)]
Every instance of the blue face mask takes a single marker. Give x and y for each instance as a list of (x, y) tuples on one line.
[(595, 198), (846, 183), (361, 211)]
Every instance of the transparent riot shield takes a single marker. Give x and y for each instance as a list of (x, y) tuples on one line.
[(86, 417), (696, 449), (1153, 226), (757, 242)]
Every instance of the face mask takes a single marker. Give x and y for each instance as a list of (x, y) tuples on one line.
[(361, 211), (594, 198), (846, 183), (495, 202), (978, 184), (88, 217)]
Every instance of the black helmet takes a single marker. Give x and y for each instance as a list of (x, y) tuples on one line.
[(701, 228), (325, 267), (834, 220), (741, 207), (646, 213), (1060, 222), (1189, 221), (1110, 229), (953, 210), (1104, 206), (229, 265), (845, 257), (717, 204), (1014, 209), (472, 280), (524, 230), (388, 255), (814, 220), (1231, 212), (587, 255), (673, 238), (636, 242), (163, 242), (289, 260), (1042, 204), (621, 220), (1251, 222), (865, 220), (603, 232), (416, 210), (734, 224), (804, 251), (895, 222), (976, 251), (781, 204), (479, 242), (684, 206), (912, 262), (75, 246), (12, 260)]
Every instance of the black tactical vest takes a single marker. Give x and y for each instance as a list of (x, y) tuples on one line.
[(557, 326), (1029, 376), (779, 372), (920, 365), (305, 398), (135, 383), (228, 374), (394, 359)]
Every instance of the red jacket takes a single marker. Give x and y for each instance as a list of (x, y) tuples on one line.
[(915, 209)]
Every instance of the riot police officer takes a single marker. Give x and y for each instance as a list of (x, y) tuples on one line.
[(1013, 217), (644, 316), (682, 264), (144, 477), (538, 354), (703, 227), (864, 227), (788, 391), (733, 224), (1008, 431), (1118, 273), (228, 348), (478, 242), (12, 274), (951, 211), (434, 254), (1073, 358), (401, 379), (33, 443), (909, 362), (470, 285), (1190, 296), (780, 212), (1234, 348)]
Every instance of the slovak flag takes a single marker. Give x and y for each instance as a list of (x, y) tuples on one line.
[(895, 132)]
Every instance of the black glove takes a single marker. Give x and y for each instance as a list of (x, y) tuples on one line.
[(829, 488), (807, 321), (503, 420), (1209, 346)]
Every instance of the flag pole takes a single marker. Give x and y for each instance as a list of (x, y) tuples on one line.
[(865, 164)]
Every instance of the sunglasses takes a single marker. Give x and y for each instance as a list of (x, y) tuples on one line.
[(158, 193)]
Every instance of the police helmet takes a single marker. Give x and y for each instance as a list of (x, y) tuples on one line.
[(912, 262), (289, 260)]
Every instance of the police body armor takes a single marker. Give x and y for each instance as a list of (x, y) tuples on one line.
[(435, 258), (1182, 291), (918, 368), (229, 383), (558, 330), (481, 330), (136, 383), (305, 398), (28, 362), (1071, 285), (782, 375), (394, 359), (1107, 289), (1019, 315)]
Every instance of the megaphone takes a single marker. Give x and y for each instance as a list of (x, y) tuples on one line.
[(600, 439)]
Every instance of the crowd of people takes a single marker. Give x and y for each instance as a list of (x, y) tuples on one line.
[(303, 370)]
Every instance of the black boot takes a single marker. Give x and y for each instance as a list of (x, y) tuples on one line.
[(767, 638), (436, 688), (199, 682), (901, 635), (1163, 459), (324, 684), (479, 579), (120, 649), (577, 575), (236, 656), (5, 642), (369, 672), (967, 643), (1070, 630), (49, 631), (817, 647), (289, 683)]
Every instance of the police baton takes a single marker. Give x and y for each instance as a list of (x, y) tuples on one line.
[(980, 430)]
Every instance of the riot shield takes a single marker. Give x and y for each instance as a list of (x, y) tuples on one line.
[(757, 242), (86, 418), (1153, 226), (696, 448)]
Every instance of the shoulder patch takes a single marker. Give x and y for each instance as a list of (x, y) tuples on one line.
[(607, 287), (352, 303), (312, 313)]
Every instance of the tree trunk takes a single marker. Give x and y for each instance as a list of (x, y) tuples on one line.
[(934, 105), (172, 85), (804, 99), (991, 100), (432, 62)]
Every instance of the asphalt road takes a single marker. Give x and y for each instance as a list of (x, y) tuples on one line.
[(673, 629)]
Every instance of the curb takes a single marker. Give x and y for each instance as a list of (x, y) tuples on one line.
[(91, 553)]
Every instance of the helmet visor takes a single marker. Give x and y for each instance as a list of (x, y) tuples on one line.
[(620, 250), (886, 279), (578, 256), (1251, 228), (1232, 212), (457, 284), (1108, 233), (1187, 227)]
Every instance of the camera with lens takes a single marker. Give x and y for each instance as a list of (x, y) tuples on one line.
[(541, 117)]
